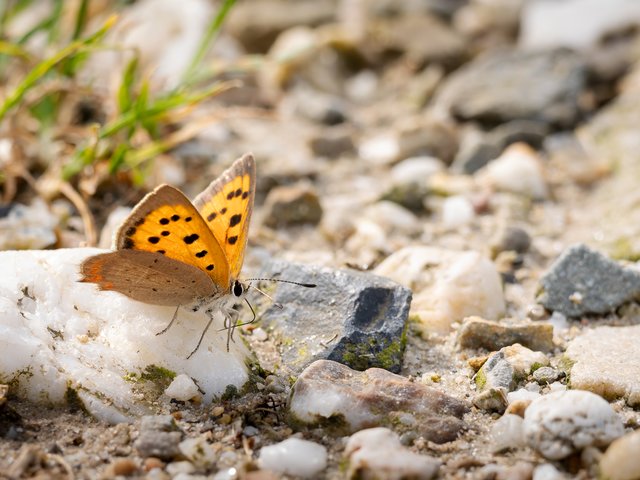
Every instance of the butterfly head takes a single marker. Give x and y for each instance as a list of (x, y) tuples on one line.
[(238, 289)]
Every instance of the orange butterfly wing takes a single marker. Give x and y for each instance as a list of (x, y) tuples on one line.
[(166, 222), (226, 205)]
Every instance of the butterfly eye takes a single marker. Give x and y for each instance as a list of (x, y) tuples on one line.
[(238, 289)]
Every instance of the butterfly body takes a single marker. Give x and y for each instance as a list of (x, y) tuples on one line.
[(170, 251)]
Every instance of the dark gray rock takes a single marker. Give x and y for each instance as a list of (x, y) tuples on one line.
[(510, 239), (354, 318), (583, 281), (515, 85), (375, 397)]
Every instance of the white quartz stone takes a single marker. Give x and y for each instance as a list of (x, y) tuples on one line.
[(294, 456), (57, 333)]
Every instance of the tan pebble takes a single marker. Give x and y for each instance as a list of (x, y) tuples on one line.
[(124, 466), (477, 362), (152, 462), (225, 419), (518, 407), (177, 415), (217, 411)]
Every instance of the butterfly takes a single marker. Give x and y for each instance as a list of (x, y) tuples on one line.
[(172, 252)]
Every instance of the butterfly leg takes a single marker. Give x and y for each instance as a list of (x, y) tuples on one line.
[(210, 315), (173, 319)]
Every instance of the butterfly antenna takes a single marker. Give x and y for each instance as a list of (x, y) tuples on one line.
[(306, 285)]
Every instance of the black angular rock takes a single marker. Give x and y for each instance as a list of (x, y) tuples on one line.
[(351, 317), (583, 281)]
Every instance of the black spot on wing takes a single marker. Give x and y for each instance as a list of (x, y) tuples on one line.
[(130, 231), (211, 216), (232, 240), (154, 240), (201, 253), (164, 221), (128, 243), (175, 218), (189, 239), (210, 267), (235, 220)]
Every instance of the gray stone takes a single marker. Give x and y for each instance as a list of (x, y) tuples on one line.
[(510, 239), (583, 281), (334, 396), (351, 317), (292, 205), (163, 445), (477, 332), (515, 85), (546, 375), (159, 437), (332, 143)]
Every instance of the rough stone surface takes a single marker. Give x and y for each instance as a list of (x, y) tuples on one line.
[(583, 281), (477, 332), (621, 460), (606, 361), (378, 453), (352, 317), (562, 423), (330, 394), (489, 89)]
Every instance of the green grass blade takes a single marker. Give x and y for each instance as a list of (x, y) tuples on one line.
[(42, 68), (208, 39)]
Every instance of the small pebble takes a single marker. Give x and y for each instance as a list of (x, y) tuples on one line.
[(152, 462), (561, 423), (294, 457), (621, 460), (507, 433), (124, 467), (545, 375), (182, 388)]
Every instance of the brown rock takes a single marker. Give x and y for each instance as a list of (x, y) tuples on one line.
[(477, 332), (375, 397)]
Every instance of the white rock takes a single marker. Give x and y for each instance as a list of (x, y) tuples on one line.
[(457, 211), (294, 457), (507, 433), (182, 388), (57, 333), (621, 460), (362, 86), (28, 227), (543, 23), (606, 361), (378, 453), (522, 394), (548, 471), (415, 169), (379, 150), (448, 285), (517, 170), (562, 423), (164, 34), (114, 220), (199, 452), (392, 218)]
